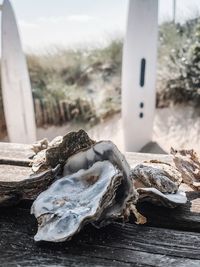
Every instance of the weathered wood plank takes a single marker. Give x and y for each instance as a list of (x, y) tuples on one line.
[(134, 158), (15, 154), (15, 160), (14, 173), (114, 245)]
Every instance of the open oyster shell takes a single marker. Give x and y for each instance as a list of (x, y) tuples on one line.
[(87, 191), (106, 150), (158, 183), (74, 200)]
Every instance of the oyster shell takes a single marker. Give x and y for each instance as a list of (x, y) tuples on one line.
[(158, 183), (95, 188), (188, 163), (59, 149), (75, 200), (106, 150)]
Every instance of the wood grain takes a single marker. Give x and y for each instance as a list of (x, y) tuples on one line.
[(114, 245), (14, 173), (15, 154)]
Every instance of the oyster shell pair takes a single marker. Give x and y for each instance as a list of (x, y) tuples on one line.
[(96, 185)]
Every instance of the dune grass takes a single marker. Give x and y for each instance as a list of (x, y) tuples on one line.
[(85, 84)]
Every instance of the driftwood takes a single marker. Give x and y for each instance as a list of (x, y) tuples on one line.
[(171, 237)]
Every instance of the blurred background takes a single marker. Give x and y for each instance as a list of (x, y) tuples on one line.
[(74, 56)]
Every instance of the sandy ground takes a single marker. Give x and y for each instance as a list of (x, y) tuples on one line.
[(177, 127)]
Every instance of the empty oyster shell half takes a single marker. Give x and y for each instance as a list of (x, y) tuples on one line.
[(74, 200), (158, 183), (94, 187)]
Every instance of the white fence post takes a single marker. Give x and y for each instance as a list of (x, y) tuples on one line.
[(139, 73), (16, 87)]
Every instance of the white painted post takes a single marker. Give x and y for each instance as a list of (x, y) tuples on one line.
[(174, 11), (139, 73), (16, 87)]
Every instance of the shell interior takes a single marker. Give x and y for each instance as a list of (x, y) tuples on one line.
[(75, 199), (95, 187)]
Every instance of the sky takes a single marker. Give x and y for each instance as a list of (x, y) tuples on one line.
[(47, 23)]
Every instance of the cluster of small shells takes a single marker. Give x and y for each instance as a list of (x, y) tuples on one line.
[(77, 181)]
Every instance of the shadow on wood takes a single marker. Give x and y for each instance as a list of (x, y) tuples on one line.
[(153, 147)]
